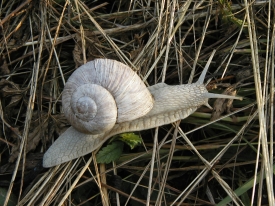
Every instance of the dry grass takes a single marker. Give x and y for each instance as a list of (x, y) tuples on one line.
[(198, 161)]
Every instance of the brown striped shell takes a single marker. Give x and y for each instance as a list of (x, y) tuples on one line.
[(104, 92)]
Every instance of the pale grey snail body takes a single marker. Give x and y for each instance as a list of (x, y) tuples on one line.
[(120, 102)]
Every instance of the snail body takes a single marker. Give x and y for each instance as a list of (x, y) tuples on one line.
[(105, 97)]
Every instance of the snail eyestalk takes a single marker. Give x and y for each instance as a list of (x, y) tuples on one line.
[(201, 80), (203, 74), (219, 96)]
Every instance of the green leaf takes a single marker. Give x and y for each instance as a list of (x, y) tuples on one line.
[(242, 189), (131, 139), (12, 200), (110, 153)]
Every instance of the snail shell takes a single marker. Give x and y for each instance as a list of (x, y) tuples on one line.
[(103, 92), (104, 97)]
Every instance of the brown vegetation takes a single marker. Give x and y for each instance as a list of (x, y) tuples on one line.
[(198, 161)]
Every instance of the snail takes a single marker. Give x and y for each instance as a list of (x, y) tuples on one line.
[(105, 97)]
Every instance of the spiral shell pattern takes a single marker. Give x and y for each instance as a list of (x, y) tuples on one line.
[(104, 92)]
